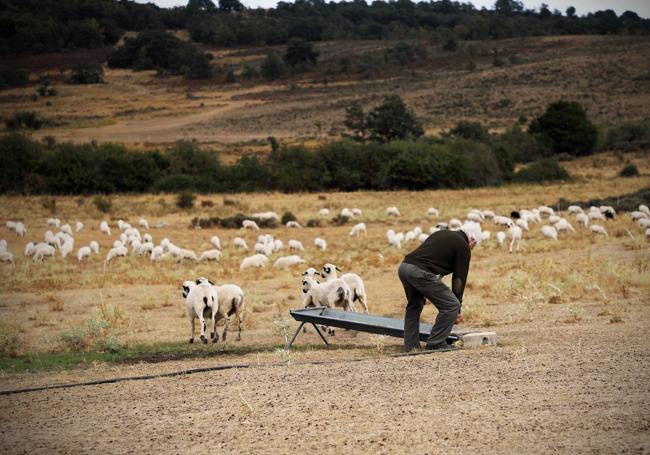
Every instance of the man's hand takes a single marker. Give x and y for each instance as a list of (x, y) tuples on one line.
[(459, 318)]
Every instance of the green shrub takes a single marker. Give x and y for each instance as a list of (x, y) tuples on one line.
[(288, 216), (103, 204), (566, 128), (470, 130), (313, 223), (21, 158), (11, 78), (87, 73), (629, 171), (300, 52), (627, 134), (26, 119), (74, 339), (541, 171), (108, 344), (185, 200), (392, 120), (272, 68)]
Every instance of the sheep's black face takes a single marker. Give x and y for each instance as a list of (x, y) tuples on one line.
[(186, 290), (327, 270)]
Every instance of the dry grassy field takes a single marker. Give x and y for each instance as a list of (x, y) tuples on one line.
[(608, 75), (570, 372)]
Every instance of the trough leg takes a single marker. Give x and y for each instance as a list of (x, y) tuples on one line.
[(321, 335), (295, 335)]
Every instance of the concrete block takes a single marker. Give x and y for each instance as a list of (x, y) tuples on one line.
[(474, 339)]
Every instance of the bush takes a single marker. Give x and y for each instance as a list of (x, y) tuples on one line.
[(300, 52), (49, 204), (21, 157), (74, 339), (566, 128), (627, 134), (288, 216), (185, 200), (470, 130), (271, 68), (103, 204), (542, 171), (87, 73), (629, 171), (25, 119), (392, 120)]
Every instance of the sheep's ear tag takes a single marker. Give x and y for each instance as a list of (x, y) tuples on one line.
[(338, 269), (211, 282)]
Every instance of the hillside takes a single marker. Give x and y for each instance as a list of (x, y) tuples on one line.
[(608, 75)]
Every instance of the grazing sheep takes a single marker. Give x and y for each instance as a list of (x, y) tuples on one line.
[(145, 248), (499, 220), (202, 302), (115, 252), (488, 213), (320, 243), (574, 209), (183, 253), (647, 233), (30, 248), (294, 224), (324, 212), (265, 216), (564, 225), (597, 229), (354, 281), (144, 224), (522, 223), (83, 252), (644, 208), (231, 301), (394, 239), (357, 229), (515, 234), (250, 224), (485, 235), (392, 211), (596, 215), (473, 216), (432, 211), (638, 214), (644, 222), (455, 224), (257, 260), (147, 238), (66, 228), (79, 226), (263, 248), (54, 222), (94, 246), (608, 211), (277, 245), (240, 243), (546, 210), (6, 256), (582, 219), (117, 244), (288, 261), (442, 226), (3, 245), (549, 232), (216, 242), (210, 255), (67, 248), (346, 213), (42, 250), (501, 237), (295, 245), (157, 253), (357, 212), (104, 228), (554, 219)]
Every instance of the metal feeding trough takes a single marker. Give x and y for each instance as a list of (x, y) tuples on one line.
[(381, 325)]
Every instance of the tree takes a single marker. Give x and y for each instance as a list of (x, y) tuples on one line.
[(566, 128), (194, 6), (570, 11), (271, 68), (300, 51), (470, 130), (392, 120), (230, 5), (508, 7), (355, 120), (87, 73)]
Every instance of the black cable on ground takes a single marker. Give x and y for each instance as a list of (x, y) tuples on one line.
[(172, 374)]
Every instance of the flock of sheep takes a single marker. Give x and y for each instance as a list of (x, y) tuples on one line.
[(210, 303)]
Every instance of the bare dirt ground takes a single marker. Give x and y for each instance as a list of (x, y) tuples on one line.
[(609, 76), (570, 374)]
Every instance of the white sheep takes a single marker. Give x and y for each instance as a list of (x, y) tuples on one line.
[(6, 256), (488, 214), (238, 242), (144, 224), (357, 229), (499, 220), (118, 243), (357, 212), (334, 293), (554, 219), (354, 281), (583, 219), (29, 249), (294, 224), (210, 255), (564, 225), (288, 261), (216, 241), (42, 250), (263, 248), (145, 248), (644, 222), (257, 260), (94, 246), (83, 252), (638, 214), (250, 224), (422, 237), (104, 228), (432, 211), (549, 232), (20, 229), (157, 253), (515, 234), (202, 302), (67, 248), (3, 245), (597, 229), (115, 252), (522, 223), (295, 245), (647, 233), (79, 226), (54, 222), (277, 245), (546, 210), (346, 213), (266, 216), (473, 216), (231, 301), (324, 212), (575, 209), (51, 239), (501, 237), (183, 253), (66, 228), (455, 223), (596, 215), (320, 243), (395, 239), (644, 208), (392, 211)]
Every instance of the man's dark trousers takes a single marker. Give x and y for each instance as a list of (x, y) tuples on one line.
[(418, 285)]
